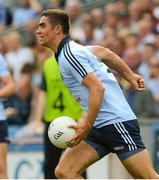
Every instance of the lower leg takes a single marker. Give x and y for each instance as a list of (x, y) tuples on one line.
[(3, 161), (3, 171), (140, 166)]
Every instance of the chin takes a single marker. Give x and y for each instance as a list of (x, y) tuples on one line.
[(45, 45), (42, 44)]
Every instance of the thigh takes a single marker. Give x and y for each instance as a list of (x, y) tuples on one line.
[(78, 158), (3, 141), (140, 166), (3, 152)]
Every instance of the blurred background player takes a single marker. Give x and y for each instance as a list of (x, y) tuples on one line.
[(57, 101), (18, 107), (7, 88)]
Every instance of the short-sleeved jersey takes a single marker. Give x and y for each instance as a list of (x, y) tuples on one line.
[(3, 72), (75, 62), (59, 101)]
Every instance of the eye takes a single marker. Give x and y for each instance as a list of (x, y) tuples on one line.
[(42, 25)]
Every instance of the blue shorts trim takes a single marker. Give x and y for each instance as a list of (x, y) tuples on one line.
[(3, 132), (126, 155), (122, 138)]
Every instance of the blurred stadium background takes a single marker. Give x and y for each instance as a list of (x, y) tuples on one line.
[(128, 27)]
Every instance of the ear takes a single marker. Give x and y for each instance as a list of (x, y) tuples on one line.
[(58, 29)]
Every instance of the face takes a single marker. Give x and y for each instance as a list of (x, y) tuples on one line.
[(45, 32), (154, 67)]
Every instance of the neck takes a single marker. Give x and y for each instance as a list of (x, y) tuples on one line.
[(54, 46)]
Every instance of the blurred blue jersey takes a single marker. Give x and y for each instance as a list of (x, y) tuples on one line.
[(3, 72), (75, 62)]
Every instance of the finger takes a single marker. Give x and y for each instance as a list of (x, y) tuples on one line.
[(72, 139), (141, 82), (69, 144), (74, 143), (140, 89), (141, 79), (141, 86), (73, 126)]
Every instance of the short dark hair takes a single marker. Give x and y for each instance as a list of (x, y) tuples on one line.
[(27, 68), (57, 16)]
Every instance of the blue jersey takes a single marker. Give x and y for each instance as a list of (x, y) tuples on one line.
[(3, 72), (75, 62)]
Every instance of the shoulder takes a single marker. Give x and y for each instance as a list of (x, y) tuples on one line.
[(78, 49), (3, 67), (1, 58)]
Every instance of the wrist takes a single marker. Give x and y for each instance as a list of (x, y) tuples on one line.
[(89, 123), (129, 76)]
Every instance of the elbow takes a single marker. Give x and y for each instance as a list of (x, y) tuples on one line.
[(13, 88), (101, 89)]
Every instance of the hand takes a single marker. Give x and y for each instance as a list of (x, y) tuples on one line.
[(38, 127), (11, 112), (137, 82), (82, 129)]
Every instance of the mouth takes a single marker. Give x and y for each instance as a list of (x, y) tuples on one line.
[(39, 36), (40, 39)]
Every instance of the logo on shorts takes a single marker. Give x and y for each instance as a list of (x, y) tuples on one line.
[(118, 148)]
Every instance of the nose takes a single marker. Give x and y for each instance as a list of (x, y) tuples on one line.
[(38, 31)]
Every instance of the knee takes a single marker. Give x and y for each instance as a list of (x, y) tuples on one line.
[(64, 173), (149, 174), (60, 173), (2, 166)]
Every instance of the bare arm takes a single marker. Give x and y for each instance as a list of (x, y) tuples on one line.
[(96, 91), (113, 61), (35, 4), (8, 87)]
